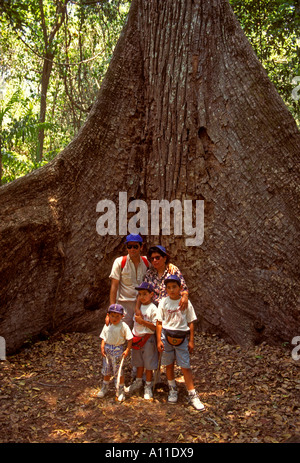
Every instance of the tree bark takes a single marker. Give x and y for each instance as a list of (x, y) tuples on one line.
[(185, 111)]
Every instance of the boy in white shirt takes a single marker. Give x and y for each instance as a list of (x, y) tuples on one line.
[(144, 353), (113, 338), (175, 339)]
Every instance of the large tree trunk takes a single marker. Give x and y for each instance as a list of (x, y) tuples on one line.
[(185, 111)]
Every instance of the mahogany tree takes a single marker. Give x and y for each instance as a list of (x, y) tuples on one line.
[(185, 112)]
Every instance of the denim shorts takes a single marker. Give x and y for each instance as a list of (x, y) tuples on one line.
[(111, 362), (179, 353), (147, 356)]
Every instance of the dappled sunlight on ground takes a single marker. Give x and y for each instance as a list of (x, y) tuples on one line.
[(49, 394)]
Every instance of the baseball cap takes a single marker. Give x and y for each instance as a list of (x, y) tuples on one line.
[(118, 308), (172, 278), (145, 285), (161, 248), (137, 238)]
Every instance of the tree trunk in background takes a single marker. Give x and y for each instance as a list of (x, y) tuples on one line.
[(185, 111), (47, 68)]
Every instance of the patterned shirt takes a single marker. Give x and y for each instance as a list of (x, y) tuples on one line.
[(158, 284)]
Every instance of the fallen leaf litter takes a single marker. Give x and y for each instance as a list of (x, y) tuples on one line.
[(48, 394)]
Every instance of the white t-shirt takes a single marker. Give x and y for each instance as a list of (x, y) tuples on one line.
[(149, 313), (116, 334), (172, 318), (128, 278)]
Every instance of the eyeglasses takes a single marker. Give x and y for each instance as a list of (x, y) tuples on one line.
[(155, 258), (134, 246)]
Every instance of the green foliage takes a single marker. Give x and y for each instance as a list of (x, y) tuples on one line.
[(272, 27), (81, 52), (19, 141), (81, 49)]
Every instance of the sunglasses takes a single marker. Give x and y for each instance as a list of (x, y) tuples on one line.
[(134, 246), (155, 258)]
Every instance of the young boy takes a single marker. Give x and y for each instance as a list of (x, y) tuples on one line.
[(143, 331), (113, 337), (172, 330)]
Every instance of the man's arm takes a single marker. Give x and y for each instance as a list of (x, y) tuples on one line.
[(113, 291)]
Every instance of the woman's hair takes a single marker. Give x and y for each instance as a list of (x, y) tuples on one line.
[(159, 251)]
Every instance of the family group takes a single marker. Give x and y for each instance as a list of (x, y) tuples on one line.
[(151, 317)]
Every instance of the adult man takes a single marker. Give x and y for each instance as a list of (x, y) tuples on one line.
[(127, 273)]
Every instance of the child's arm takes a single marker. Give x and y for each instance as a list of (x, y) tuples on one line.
[(160, 345), (137, 308), (139, 319), (103, 348), (191, 340), (127, 350)]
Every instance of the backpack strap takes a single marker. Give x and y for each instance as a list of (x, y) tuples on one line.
[(145, 261), (123, 262)]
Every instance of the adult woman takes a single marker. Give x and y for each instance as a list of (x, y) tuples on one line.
[(160, 270)]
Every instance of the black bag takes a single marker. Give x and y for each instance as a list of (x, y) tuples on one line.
[(175, 337)]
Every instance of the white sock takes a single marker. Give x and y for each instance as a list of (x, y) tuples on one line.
[(191, 392), (172, 382), (139, 380), (148, 383)]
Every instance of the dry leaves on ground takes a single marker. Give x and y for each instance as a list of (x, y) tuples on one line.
[(48, 394)]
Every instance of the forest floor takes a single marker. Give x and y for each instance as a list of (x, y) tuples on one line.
[(48, 395)]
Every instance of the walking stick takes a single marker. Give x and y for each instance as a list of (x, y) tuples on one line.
[(119, 376), (157, 371)]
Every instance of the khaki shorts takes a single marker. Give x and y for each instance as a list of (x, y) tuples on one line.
[(147, 356), (129, 307)]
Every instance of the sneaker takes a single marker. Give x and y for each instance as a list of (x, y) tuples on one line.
[(148, 394), (135, 386), (195, 402), (103, 391), (173, 395), (121, 396)]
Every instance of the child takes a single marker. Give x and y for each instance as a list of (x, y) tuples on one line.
[(113, 337), (145, 355), (172, 330)]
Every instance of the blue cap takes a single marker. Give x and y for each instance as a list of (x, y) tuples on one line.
[(161, 248), (137, 238), (118, 308), (173, 278), (145, 285)]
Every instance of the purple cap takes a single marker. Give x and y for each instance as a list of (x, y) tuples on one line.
[(172, 278), (145, 285), (118, 308)]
